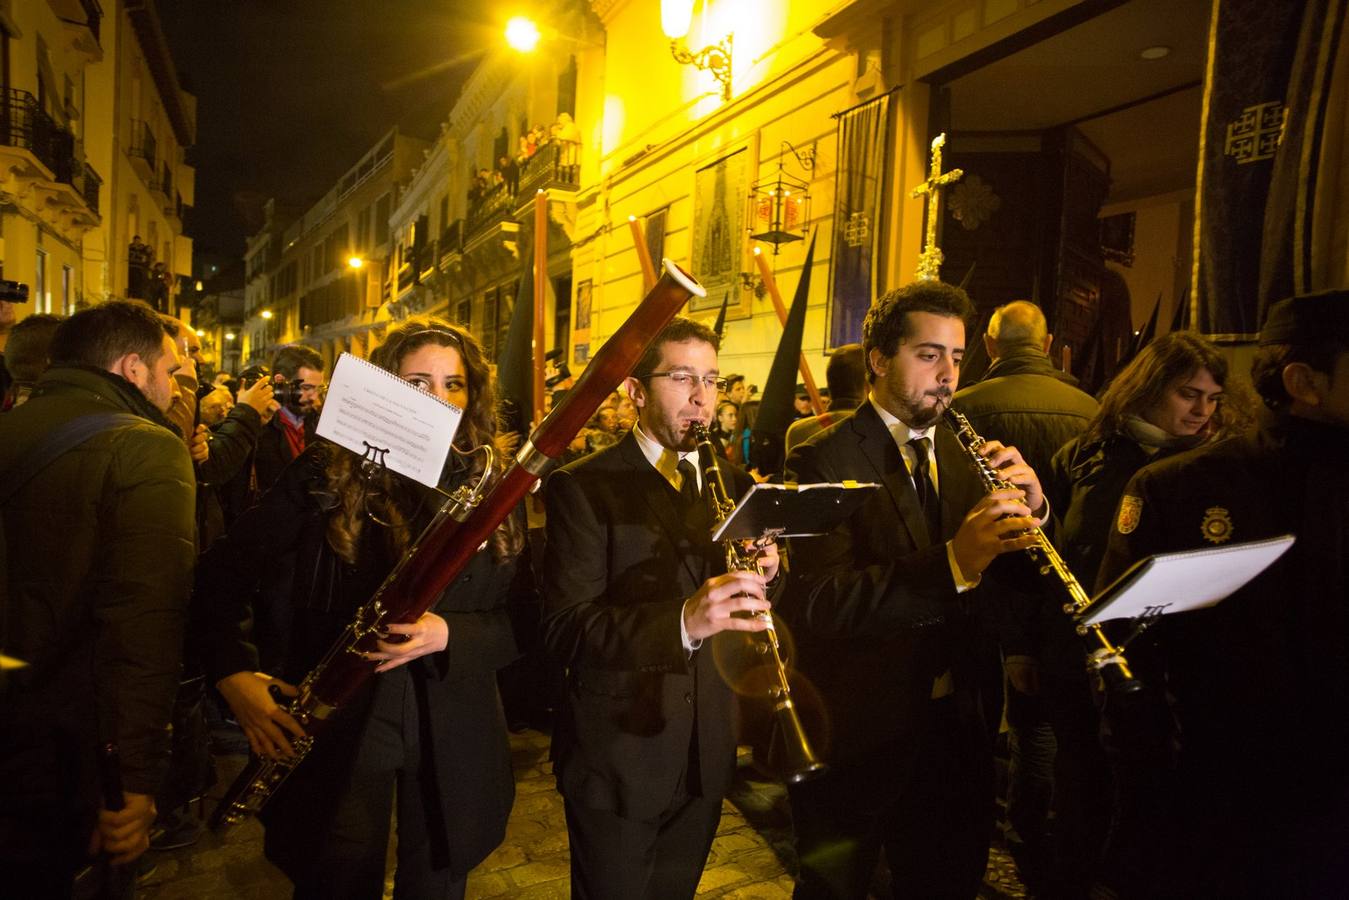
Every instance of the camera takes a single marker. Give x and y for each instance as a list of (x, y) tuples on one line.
[(13, 291), (286, 393)]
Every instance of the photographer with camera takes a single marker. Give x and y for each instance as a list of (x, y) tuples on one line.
[(297, 382)]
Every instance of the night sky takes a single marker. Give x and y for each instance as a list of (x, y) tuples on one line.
[(291, 93)]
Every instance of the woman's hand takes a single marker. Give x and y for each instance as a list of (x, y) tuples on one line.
[(428, 634), (264, 722)]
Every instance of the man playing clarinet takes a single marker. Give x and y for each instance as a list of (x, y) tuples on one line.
[(634, 591)]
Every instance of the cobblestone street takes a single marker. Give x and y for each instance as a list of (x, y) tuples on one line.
[(750, 860)]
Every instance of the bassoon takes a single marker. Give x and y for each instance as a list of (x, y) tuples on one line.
[(449, 542), (1105, 656)]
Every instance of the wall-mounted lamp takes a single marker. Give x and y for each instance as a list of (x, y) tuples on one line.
[(229, 335), (266, 313), (355, 262), (675, 18), (751, 281), (780, 205)]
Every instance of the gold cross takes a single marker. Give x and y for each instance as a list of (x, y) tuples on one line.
[(929, 263)]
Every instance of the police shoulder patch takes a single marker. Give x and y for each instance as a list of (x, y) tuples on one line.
[(1130, 511)]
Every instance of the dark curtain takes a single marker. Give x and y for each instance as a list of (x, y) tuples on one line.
[(863, 159), (1251, 52), (1286, 263)]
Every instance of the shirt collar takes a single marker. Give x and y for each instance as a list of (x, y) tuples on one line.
[(898, 430), (662, 458)]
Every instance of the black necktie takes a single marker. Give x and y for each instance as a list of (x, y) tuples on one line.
[(688, 485), (927, 491)]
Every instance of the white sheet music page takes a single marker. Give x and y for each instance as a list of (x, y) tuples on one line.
[(1178, 582), (368, 407)]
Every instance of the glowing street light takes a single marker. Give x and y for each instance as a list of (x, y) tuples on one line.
[(229, 335), (266, 313), (201, 332), (355, 262), (522, 34)]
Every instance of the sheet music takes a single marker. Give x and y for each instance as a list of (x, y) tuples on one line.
[(1179, 582), (369, 407)]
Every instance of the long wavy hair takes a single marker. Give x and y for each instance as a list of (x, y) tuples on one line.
[(1142, 384), (393, 501)]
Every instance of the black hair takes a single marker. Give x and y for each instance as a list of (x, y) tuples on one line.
[(103, 334), (290, 359), (887, 322), (678, 331)]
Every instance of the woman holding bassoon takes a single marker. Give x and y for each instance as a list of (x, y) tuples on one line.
[(428, 732)]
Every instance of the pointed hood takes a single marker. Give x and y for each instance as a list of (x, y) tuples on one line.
[(778, 409), (720, 327), (1181, 320)]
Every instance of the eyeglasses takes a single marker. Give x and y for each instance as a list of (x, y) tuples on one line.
[(685, 380)]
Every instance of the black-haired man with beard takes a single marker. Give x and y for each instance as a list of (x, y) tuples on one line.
[(882, 612)]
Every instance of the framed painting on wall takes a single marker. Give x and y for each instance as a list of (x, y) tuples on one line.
[(720, 250)]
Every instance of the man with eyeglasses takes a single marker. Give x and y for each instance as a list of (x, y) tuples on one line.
[(634, 593)]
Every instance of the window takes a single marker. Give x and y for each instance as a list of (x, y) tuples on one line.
[(566, 89), (67, 290), (444, 212), (464, 313), (382, 220), (562, 315), (41, 302)]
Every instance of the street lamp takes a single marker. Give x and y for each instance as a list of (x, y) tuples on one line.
[(676, 16), (355, 262), (229, 335), (522, 34), (266, 313)]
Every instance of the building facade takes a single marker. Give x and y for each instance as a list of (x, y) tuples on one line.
[(93, 133)]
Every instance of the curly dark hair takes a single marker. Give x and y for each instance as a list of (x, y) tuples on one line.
[(395, 501), (887, 322)]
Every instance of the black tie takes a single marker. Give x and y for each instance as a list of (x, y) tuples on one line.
[(688, 485), (927, 492)]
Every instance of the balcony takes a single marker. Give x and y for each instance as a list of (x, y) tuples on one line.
[(37, 155), (143, 151), (554, 166), (88, 184), (81, 19)]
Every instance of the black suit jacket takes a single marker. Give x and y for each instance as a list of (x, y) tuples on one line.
[(873, 605), (621, 560)]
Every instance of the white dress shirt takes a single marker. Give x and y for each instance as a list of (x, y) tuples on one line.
[(666, 462)]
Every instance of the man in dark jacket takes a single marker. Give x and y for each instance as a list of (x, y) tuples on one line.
[(1026, 402), (644, 746), (100, 554), (297, 374), (1255, 792)]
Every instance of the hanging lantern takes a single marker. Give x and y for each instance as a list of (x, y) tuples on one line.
[(780, 206)]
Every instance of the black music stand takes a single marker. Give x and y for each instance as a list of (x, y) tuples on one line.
[(771, 511)]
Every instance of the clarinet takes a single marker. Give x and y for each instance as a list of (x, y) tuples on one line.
[(458, 531), (1105, 657), (800, 762)]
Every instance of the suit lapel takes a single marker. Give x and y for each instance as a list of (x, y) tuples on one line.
[(665, 504), (878, 446), (958, 489)]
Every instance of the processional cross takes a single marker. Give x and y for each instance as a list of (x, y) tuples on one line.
[(929, 263)]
